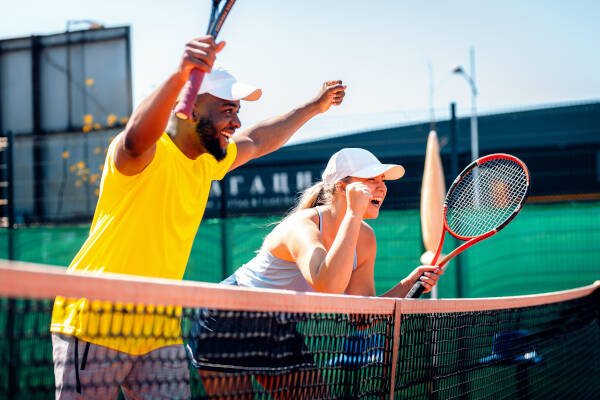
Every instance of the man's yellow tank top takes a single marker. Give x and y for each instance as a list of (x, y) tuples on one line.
[(144, 225)]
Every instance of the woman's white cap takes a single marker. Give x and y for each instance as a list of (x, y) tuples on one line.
[(223, 84), (358, 163)]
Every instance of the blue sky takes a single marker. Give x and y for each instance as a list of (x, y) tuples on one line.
[(527, 53)]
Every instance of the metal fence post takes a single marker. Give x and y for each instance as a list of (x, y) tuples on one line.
[(225, 245), (453, 173)]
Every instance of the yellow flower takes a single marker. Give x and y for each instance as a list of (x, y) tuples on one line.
[(88, 119), (111, 119), (89, 82), (80, 165), (65, 154)]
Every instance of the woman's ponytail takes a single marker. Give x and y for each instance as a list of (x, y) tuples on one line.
[(315, 195)]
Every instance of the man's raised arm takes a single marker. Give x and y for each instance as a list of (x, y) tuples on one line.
[(268, 136), (137, 142)]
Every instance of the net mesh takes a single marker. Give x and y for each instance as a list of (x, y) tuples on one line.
[(526, 353), (485, 197), (234, 343)]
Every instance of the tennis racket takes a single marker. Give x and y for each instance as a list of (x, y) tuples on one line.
[(482, 200), (184, 107)]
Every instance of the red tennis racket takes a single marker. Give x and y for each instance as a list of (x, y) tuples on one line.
[(482, 200), (184, 107)]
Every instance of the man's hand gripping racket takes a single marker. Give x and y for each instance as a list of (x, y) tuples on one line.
[(184, 107), (482, 200)]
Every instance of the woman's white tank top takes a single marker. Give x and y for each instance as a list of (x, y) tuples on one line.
[(267, 271)]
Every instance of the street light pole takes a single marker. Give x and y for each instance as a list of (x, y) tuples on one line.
[(474, 132), (471, 80), (432, 125)]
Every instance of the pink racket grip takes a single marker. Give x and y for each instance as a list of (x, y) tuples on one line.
[(183, 109)]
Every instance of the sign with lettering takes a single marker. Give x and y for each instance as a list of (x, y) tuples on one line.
[(261, 190)]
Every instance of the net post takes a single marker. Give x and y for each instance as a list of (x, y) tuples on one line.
[(396, 344)]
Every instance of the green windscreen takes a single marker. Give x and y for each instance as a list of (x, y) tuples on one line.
[(546, 248)]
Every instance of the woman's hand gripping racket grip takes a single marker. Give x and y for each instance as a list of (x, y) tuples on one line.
[(183, 109), (418, 288)]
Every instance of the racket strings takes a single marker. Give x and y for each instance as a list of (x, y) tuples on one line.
[(486, 197), (486, 200)]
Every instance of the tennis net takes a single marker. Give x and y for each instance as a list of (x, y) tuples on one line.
[(222, 342)]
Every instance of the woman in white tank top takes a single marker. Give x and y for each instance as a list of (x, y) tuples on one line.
[(323, 245)]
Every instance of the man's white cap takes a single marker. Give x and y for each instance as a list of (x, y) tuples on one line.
[(358, 163), (223, 84)]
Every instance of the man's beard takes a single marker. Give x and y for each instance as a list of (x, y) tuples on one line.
[(210, 139)]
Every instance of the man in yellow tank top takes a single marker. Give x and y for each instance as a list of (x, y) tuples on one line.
[(155, 184)]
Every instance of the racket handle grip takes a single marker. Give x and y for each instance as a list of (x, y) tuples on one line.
[(416, 291), (185, 106)]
